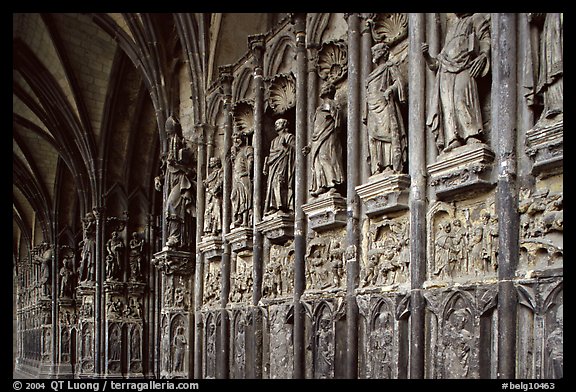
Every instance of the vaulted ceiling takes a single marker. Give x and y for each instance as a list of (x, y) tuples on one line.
[(89, 94)]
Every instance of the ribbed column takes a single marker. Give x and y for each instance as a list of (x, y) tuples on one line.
[(226, 88), (299, 21), (503, 102), (256, 45), (353, 169), (417, 201), (199, 265)]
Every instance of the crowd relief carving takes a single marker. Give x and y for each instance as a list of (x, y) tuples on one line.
[(388, 259), (463, 240), (278, 278), (325, 264), (241, 281), (541, 228), (211, 283)]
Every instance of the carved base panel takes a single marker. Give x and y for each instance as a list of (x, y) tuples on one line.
[(211, 247), (464, 169), (385, 193), (277, 227), (545, 145), (240, 239), (326, 212)]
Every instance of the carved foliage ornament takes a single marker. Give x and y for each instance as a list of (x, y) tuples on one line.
[(281, 93), (332, 63)]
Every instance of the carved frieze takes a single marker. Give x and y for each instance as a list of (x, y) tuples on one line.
[(325, 262), (241, 280), (541, 228), (387, 260), (462, 241), (212, 278), (278, 276)]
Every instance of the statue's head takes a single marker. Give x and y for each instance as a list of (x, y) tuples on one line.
[(328, 90), (380, 50), (280, 124)]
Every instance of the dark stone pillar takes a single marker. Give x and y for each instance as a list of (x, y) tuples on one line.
[(99, 311), (417, 201), (226, 87), (299, 21), (352, 200), (504, 129), (256, 45)]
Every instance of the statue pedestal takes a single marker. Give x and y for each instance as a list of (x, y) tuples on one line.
[(385, 193), (278, 227), (466, 168), (240, 239), (326, 212), (211, 247), (545, 145)]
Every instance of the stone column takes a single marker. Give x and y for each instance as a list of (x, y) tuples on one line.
[(99, 276), (366, 64), (256, 45), (503, 101), (417, 198), (226, 78), (299, 22), (352, 200)]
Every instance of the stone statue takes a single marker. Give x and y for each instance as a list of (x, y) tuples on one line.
[(446, 251), (455, 115), (45, 260), (179, 342), (135, 257), (213, 211), (243, 157), (180, 199), (135, 345), (326, 149), (324, 350), (114, 247), (88, 245), (279, 167), (87, 343), (550, 80), (385, 92), (66, 273)]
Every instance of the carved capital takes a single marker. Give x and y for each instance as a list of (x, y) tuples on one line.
[(225, 78), (256, 46)]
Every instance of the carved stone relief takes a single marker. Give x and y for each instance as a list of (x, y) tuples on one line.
[(211, 283), (241, 280), (387, 260), (541, 228), (179, 346), (462, 240), (325, 264), (278, 277), (136, 257), (210, 345), (213, 210), (323, 345), (281, 92)]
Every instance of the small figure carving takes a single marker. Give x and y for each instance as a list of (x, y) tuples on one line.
[(455, 117), (179, 342), (326, 149), (386, 91), (213, 212), (458, 345), (324, 350), (446, 251), (555, 347), (279, 167), (114, 344), (135, 345), (243, 156), (135, 256), (87, 343), (44, 260)]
